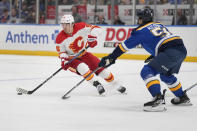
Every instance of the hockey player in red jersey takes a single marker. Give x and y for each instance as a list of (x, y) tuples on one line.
[(71, 40)]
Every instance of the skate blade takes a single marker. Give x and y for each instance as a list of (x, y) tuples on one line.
[(125, 93), (184, 104), (155, 109), (65, 97), (102, 95)]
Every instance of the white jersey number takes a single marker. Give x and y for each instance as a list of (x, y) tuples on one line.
[(160, 32)]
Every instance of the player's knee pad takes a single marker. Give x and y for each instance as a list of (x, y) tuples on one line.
[(168, 79), (147, 72), (82, 68), (107, 75)]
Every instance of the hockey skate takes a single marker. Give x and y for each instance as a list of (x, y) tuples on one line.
[(122, 89), (99, 87), (182, 101), (157, 104)]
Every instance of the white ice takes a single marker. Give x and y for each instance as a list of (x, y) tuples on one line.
[(85, 110)]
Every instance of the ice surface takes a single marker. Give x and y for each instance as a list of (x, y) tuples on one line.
[(86, 110)]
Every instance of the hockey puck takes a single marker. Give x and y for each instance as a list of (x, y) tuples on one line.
[(19, 93)]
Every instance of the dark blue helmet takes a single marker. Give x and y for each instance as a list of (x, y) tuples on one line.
[(146, 15)]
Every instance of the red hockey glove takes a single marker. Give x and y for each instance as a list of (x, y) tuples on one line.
[(92, 41), (64, 65), (64, 59)]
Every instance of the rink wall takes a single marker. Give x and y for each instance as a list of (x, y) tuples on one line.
[(39, 40)]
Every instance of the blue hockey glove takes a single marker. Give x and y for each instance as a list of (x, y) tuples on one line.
[(111, 58), (107, 61)]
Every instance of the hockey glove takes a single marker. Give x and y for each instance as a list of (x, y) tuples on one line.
[(107, 61), (92, 41), (149, 59), (64, 59), (64, 65)]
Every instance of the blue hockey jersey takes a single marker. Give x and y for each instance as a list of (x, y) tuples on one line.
[(151, 36)]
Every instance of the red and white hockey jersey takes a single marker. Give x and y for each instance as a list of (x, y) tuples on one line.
[(72, 44)]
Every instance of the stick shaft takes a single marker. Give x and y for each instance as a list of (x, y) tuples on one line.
[(189, 88), (32, 91), (65, 95), (46, 80)]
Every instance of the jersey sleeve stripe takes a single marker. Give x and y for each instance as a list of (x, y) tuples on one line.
[(122, 48)]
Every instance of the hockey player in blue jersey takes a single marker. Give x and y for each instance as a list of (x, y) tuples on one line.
[(167, 53)]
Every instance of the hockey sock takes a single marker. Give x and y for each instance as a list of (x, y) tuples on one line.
[(106, 75), (148, 74), (83, 69), (173, 84), (109, 77), (153, 86)]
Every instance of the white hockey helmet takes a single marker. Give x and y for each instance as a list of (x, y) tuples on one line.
[(67, 19)]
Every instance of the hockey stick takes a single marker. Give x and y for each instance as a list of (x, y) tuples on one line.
[(189, 88), (65, 96), (23, 91)]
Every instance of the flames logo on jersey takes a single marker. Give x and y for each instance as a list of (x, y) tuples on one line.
[(77, 44)]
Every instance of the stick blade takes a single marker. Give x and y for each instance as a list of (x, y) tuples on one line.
[(65, 97), (23, 91)]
